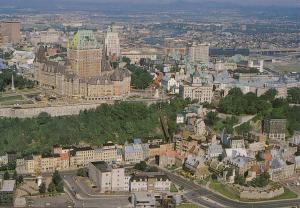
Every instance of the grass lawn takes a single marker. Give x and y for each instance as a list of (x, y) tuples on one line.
[(203, 181), (187, 206), (10, 98), (173, 188), (15, 99), (216, 186), (288, 194), (20, 102)]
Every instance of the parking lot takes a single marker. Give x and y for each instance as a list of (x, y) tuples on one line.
[(54, 201)]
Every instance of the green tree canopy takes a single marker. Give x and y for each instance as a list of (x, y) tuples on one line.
[(42, 188)]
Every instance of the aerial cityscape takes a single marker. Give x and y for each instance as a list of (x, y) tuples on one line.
[(141, 104)]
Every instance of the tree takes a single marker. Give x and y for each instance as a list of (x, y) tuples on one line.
[(126, 60), (143, 62), (211, 118), (60, 187), (141, 166), (20, 179), (15, 175), (51, 187), (239, 179), (43, 118), (141, 121), (56, 178), (82, 172), (243, 128), (269, 95), (42, 188), (294, 95), (115, 64), (20, 82), (262, 180), (140, 78), (6, 175)]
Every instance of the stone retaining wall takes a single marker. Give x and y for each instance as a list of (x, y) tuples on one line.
[(52, 110), (256, 194)]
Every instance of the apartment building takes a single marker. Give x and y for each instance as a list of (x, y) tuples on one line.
[(275, 128), (107, 177), (81, 156), (109, 153), (136, 151), (37, 164)]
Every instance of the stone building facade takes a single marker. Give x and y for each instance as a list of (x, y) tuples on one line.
[(85, 74), (200, 88)]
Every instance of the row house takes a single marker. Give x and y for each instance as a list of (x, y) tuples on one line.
[(37, 164), (81, 157), (150, 182), (109, 153)]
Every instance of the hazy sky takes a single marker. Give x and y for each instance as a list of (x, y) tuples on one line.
[(242, 2), (270, 2), (245, 2)]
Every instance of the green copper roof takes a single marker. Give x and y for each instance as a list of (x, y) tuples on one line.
[(84, 39)]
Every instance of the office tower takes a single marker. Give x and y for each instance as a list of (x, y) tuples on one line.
[(199, 53), (112, 42), (11, 30)]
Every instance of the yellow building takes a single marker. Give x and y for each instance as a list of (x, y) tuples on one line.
[(37, 164), (81, 156)]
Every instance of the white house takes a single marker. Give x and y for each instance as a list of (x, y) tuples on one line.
[(170, 85), (180, 118)]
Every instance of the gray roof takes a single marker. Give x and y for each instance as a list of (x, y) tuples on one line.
[(109, 77), (8, 186), (241, 161), (102, 166)]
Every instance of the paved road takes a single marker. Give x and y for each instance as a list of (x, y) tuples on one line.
[(197, 190), (81, 198)]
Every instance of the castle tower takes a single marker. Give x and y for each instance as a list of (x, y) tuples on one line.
[(85, 54)]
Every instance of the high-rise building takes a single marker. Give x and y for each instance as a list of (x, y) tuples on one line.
[(85, 54), (175, 48), (199, 53), (11, 30), (112, 42)]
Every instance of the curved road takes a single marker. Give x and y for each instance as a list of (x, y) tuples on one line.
[(81, 198), (197, 190)]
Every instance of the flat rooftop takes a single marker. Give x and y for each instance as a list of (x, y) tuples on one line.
[(8, 186), (102, 166)]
